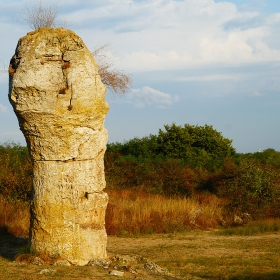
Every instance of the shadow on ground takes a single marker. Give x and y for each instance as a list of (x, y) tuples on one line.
[(11, 245)]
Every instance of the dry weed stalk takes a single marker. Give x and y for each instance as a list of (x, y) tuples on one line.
[(41, 15), (114, 79), (4, 67)]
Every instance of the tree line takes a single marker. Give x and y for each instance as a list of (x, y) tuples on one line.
[(189, 160), (183, 161)]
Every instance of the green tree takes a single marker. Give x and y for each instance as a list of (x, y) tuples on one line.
[(268, 157), (196, 145), (145, 147), (174, 162)]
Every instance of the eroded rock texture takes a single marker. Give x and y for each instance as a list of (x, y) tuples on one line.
[(59, 99)]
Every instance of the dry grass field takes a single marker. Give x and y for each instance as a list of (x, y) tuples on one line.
[(190, 255), (182, 236), (134, 212)]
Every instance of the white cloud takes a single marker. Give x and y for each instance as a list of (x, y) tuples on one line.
[(149, 96), (165, 34)]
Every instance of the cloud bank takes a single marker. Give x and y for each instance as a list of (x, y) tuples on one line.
[(153, 35), (165, 34)]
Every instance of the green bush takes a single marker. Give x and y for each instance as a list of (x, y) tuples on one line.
[(267, 157), (161, 175), (15, 172), (250, 186)]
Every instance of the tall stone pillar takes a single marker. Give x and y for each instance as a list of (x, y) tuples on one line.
[(59, 100)]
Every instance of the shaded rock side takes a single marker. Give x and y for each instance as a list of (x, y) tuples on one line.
[(59, 100)]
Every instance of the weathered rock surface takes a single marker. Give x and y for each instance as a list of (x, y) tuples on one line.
[(59, 99)]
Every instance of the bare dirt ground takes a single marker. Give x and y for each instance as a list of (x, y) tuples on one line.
[(193, 255)]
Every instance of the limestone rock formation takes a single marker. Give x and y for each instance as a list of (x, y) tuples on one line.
[(59, 100)]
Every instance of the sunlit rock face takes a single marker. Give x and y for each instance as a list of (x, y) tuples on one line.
[(59, 100)]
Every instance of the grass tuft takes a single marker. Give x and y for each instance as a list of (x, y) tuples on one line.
[(253, 228)]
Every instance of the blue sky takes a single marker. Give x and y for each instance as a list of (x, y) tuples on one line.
[(192, 61)]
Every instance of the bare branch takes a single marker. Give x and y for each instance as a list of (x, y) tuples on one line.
[(4, 68), (114, 79), (42, 15)]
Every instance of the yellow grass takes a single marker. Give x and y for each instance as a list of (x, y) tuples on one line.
[(14, 217), (132, 212)]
